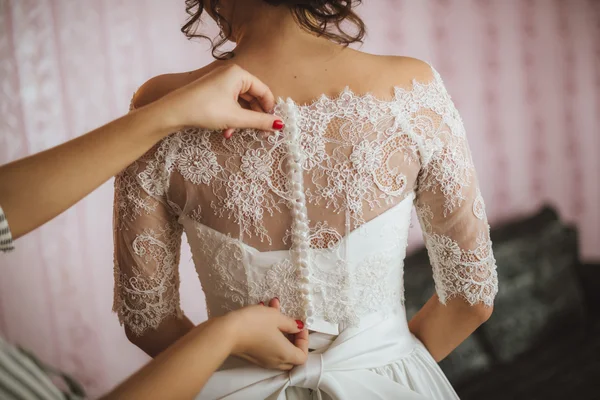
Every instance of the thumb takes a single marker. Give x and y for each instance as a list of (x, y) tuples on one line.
[(301, 341), (257, 120), (297, 355), (298, 352)]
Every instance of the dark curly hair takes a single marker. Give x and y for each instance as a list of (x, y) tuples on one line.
[(322, 17)]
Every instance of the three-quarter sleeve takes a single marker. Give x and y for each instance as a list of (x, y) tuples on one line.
[(449, 205), (147, 240)]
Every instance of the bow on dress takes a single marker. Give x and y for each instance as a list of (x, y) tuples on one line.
[(338, 368)]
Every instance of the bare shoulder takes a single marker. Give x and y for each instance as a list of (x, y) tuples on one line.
[(161, 85), (383, 72), (155, 88), (414, 68), (403, 71)]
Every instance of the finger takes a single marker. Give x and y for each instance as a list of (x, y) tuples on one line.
[(257, 120), (255, 106), (274, 303), (285, 367), (252, 103), (301, 340), (228, 133), (298, 353), (257, 89), (289, 325)]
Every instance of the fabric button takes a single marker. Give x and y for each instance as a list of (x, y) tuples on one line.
[(307, 302), (303, 246)]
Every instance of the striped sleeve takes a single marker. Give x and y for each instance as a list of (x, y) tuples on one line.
[(6, 242), (23, 377)]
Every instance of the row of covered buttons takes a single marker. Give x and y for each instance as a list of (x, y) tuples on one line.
[(300, 230)]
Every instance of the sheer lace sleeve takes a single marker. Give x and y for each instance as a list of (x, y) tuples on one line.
[(449, 205), (147, 240)]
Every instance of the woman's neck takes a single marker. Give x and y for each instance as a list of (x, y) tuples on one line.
[(271, 32)]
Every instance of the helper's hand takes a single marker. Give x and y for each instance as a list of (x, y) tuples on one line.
[(213, 102), (260, 337)]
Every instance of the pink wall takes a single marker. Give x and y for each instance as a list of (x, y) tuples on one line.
[(524, 73)]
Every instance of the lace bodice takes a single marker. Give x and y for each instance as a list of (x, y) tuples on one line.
[(317, 214)]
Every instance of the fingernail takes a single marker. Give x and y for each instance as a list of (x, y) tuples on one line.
[(261, 303), (278, 125), (276, 298), (300, 324)]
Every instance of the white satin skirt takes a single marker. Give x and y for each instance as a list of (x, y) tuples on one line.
[(379, 359)]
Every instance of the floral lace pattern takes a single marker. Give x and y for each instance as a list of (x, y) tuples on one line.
[(479, 206), (469, 274), (198, 165), (458, 271), (226, 273), (143, 300), (321, 237), (234, 283), (359, 156), (130, 203)]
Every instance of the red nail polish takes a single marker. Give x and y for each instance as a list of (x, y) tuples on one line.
[(262, 303), (300, 324), (278, 125)]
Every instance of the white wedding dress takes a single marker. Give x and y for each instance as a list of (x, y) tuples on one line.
[(318, 216)]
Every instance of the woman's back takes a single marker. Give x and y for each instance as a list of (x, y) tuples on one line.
[(317, 214), (363, 90), (361, 155)]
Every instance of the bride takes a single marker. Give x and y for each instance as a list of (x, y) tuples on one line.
[(316, 215)]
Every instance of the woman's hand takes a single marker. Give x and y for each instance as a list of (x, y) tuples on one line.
[(259, 334), (256, 333), (38, 188), (213, 102)]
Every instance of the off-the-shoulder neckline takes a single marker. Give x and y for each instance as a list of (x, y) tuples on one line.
[(397, 92)]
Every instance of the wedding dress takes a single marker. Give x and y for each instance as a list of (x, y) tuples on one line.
[(318, 216)]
